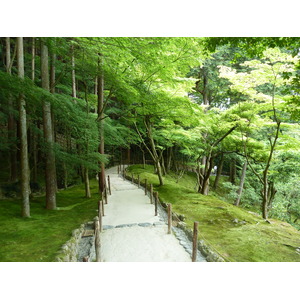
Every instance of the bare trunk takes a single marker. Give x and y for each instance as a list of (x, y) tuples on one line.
[(25, 172), (73, 74), (144, 160), (87, 183), (50, 170), (232, 175), (35, 157), (159, 173), (52, 73), (65, 175), (240, 191), (11, 124), (33, 60), (219, 172), (101, 130), (169, 159), (206, 175), (154, 153)]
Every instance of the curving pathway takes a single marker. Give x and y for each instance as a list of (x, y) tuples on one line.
[(131, 231)]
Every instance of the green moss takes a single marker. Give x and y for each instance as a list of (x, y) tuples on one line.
[(40, 237), (233, 232)]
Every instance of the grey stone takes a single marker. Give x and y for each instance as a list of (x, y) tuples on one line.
[(235, 221), (145, 224), (108, 227), (121, 226)]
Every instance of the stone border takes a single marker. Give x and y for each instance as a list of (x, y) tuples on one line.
[(70, 250)]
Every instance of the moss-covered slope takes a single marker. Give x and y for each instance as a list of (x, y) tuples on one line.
[(236, 234), (38, 239)]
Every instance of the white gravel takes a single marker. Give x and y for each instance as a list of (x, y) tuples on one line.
[(130, 205)]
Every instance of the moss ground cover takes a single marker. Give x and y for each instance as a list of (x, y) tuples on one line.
[(38, 238), (233, 232)]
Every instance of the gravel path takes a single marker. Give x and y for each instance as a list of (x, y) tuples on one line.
[(131, 231)]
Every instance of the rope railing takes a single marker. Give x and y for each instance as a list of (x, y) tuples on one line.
[(163, 206)]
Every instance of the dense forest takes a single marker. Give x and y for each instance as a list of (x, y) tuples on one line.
[(224, 109)]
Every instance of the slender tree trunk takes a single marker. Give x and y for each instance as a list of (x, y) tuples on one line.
[(219, 172), (144, 160), (52, 73), (164, 172), (240, 190), (25, 172), (207, 172), (33, 60), (101, 129), (35, 157), (11, 124), (201, 173), (154, 153), (73, 73), (86, 170), (232, 175), (65, 175), (87, 183), (169, 159), (205, 89), (50, 170)]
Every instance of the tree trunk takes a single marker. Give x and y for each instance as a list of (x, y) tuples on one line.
[(164, 172), (232, 175), (169, 159), (50, 170), (144, 160), (73, 73), (101, 129), (25, 172), (52, 73), (154, 153), (11, 124), (33, 60), (219, 172), (65, 171), (207, 172), (35, 157), (159, 172), (240, 190), (87, 183)]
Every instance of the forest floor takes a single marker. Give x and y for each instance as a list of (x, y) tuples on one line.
[(132, 232)]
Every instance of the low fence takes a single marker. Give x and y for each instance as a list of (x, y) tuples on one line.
[(203, 246), (70, 250)]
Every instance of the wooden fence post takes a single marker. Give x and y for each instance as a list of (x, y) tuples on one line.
[(145, 186), (105, 194), (118, 169), (100, 215), (195, 242), (151, 193), (97, 241), (108, 180), (156, 202), (169, 218), (132, 179), (138, 181)]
